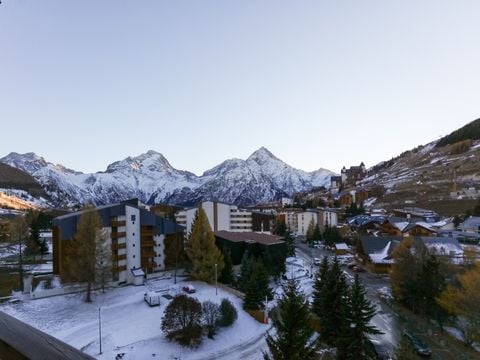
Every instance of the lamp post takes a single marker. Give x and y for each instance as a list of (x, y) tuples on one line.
[(100, 329), (216, 289)]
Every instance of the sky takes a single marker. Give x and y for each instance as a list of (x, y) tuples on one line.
[(319, 83)]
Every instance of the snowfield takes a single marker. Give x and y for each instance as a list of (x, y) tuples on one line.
[(131, 327)]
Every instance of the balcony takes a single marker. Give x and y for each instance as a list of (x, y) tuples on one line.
[(117, 235), (116, 246), (122, 268), (147, 243), (118, 223), (148, 254), (122, 257), (146, 232)]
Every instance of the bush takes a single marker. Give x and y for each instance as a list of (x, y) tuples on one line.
[(211, 316), (181, 321), (228, 313), (460, 147)]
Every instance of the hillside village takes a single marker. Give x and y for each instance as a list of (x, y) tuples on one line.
[(402, 256)]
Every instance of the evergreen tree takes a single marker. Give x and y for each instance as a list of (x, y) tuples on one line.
[(360, 312), (228, 313), (103, 260), (319, 305), (332, 320), (246, 268), (280, 227), (227, 277), (294, 337), (290, 243), (202, 251), (257, 287), (317, 234), (82, 262)]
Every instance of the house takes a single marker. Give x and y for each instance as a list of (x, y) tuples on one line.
[(221, 216), (341, 249), (138, 239), (19, 340), (471, 225), (420, 228), (376, 252), (447, 247), (345, 198), (419, 213), (394, 226), (239, 242), (365, 224), (335, 184)]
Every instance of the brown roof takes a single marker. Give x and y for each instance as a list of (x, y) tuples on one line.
[(265, 239)]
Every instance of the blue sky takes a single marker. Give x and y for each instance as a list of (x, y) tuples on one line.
[(319, 83)]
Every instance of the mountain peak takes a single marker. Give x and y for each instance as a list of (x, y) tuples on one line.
[(262, 155)]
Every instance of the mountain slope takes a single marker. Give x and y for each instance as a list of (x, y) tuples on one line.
[(151, 178)]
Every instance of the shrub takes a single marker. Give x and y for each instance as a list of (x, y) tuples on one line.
[(460, 147), (211, 316), (181, 321), (228, 313)]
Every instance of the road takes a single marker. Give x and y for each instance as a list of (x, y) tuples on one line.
[(385, 319)]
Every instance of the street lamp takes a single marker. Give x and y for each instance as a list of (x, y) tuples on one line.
[(100, 329), (216, 290)]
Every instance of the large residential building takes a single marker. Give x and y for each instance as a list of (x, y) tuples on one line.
[(140, 240), (327, 217), (303, 220), (220, 216)]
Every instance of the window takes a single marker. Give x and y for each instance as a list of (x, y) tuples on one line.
[(133, 245), (134, 256), (132, 217), (133, 234)]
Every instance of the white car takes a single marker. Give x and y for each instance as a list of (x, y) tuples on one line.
[(317, 261)]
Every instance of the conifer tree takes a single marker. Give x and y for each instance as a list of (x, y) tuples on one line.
[(257, 287), (310, 231), (356, 344), (202, 251), (294, 338), (82, 260), (319, 305), (103, 260), (246, 268), (227, 277)]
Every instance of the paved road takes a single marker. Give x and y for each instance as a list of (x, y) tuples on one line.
[(385, 319)]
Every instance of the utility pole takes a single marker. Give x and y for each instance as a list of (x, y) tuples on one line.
[(100, 329)]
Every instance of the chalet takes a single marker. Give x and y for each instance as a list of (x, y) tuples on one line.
[(137, 237), (394, 226), (471, 225), (365, 224), (239, 242), (417, 213), (345, 198), (376, 252), (420, 228), (447, 247)]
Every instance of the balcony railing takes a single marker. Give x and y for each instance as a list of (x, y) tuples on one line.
[(147, 243), (117, 246), (118, 223), (118, 235)]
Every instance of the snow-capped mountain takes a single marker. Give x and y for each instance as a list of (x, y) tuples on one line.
[(150, 177)]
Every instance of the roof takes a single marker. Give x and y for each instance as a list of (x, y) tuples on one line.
[(472, 223), (138, 272), (264, 239), (341, 246), (422, 224), (375, 245), (441, 245), (33, 343), (362, 220)]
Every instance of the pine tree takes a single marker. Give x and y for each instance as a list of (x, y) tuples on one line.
[(246, 268), (81, 263), (227, 277), (202, 251), (257, 287), (332, 319), (103, 260), (360, 312), (294, 338), (290, 243), (310, 231), (319, 305)]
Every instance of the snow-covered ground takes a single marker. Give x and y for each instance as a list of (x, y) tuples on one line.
[(130, 326)]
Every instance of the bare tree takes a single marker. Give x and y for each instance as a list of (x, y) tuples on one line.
[(19, 234)]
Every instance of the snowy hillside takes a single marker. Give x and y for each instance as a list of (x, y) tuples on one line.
[(150, 177)]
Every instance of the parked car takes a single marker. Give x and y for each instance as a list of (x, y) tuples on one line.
[(351, 265), (152, 298), (189, 289), (317, 261), (418, 345), (357, 268)]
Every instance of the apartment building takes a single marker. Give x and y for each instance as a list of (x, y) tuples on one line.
[(327, 217), (220, 216), (139, 240), (303, 220)]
